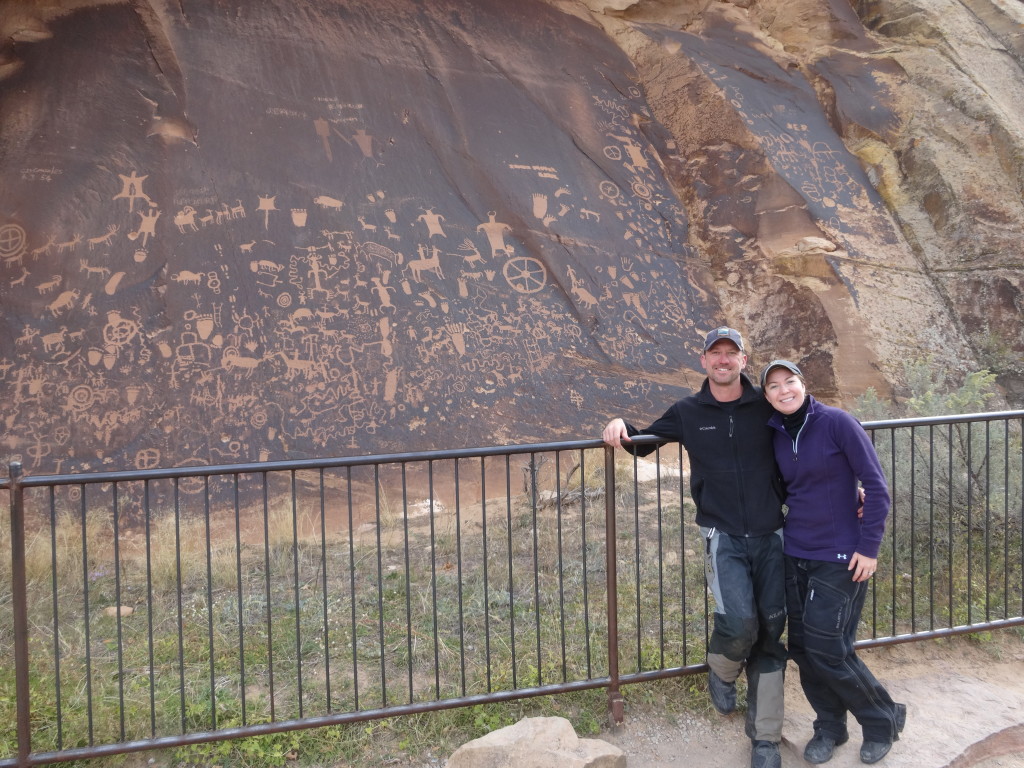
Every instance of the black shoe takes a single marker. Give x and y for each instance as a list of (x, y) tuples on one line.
[(723, 694), (873, 751), (765, 754), (819, 748), (901, 718)]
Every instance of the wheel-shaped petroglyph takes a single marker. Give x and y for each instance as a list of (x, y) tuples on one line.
[(525, 274)]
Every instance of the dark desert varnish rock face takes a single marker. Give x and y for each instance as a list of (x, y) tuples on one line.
[(243, 231)]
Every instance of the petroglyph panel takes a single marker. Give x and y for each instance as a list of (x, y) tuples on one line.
[(238, 231)]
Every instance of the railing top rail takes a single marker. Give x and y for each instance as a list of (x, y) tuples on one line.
[(336, 462), (401, 458), (926, 421)]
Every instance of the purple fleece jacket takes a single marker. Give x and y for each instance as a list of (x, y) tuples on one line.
[(821, 470)]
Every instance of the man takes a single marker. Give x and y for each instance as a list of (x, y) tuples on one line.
[(735, 485)]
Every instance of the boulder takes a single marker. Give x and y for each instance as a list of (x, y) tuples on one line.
[(537, 742)]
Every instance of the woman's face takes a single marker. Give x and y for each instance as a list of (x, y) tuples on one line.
[(784, 390)]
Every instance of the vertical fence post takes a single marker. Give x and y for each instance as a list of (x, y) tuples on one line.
[(19, 604), (615, 703)]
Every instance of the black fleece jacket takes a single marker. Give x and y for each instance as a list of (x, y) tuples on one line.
[(734, 480)]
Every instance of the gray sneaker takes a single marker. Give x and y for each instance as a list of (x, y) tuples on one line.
[(765, 754), (723, 694)]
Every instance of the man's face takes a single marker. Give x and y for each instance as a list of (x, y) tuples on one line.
[(723, 362)]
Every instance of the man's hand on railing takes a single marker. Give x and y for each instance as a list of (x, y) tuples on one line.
[(615, 432)]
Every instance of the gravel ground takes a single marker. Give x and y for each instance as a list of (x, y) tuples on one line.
[(965, 704)]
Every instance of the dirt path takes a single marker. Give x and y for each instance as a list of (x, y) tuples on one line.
[(965, 705)]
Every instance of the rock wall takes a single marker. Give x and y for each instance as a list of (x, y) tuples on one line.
[(922, 94), (234, 231)]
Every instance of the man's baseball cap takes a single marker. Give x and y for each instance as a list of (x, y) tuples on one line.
[(789, 366), (723, 333)]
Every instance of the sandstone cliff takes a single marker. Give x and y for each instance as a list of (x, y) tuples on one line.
[(243, 230)]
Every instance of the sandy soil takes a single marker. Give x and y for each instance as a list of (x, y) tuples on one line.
[(965, 705)]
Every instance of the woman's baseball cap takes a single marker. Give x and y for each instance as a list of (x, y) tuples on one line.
[(789, 366)]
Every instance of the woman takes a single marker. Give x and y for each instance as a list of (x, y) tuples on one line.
[(824, 456)]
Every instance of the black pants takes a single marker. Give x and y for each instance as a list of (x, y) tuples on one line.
[(824, 604)]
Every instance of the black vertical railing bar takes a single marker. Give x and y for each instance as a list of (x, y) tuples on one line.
[(970, 527), (178, 596), (485, 557), (1007, 493), (636, 564), (511, 582), (913, 530), (150, 649), (949, 523), (931, 527), (559, 559), (1006, 519), (381, 655), (433, 580), (1020, 491), (988, 522), (117, 609), (54, 581), (352, 588), (615, 701), (458, 579), (894, 512), (683, 613), (325, 603), (86, 613), (583, 552), (268, 595), (408, 580), (240, 597), (661, 564), (537, 565), (19, 606), (209, 601), (296, 587)]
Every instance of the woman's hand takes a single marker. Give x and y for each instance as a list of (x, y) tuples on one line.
[(863, 567)]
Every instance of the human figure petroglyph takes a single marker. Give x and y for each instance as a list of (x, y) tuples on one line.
[(104, 239), (433, 222), (266, 205), (495, 231), (383, 292), (131, 188), (147, 226)]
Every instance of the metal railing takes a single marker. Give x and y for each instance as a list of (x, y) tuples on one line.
[(171, 607)]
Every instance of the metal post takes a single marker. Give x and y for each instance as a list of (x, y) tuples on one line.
[(615, 701), (19, 603)]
